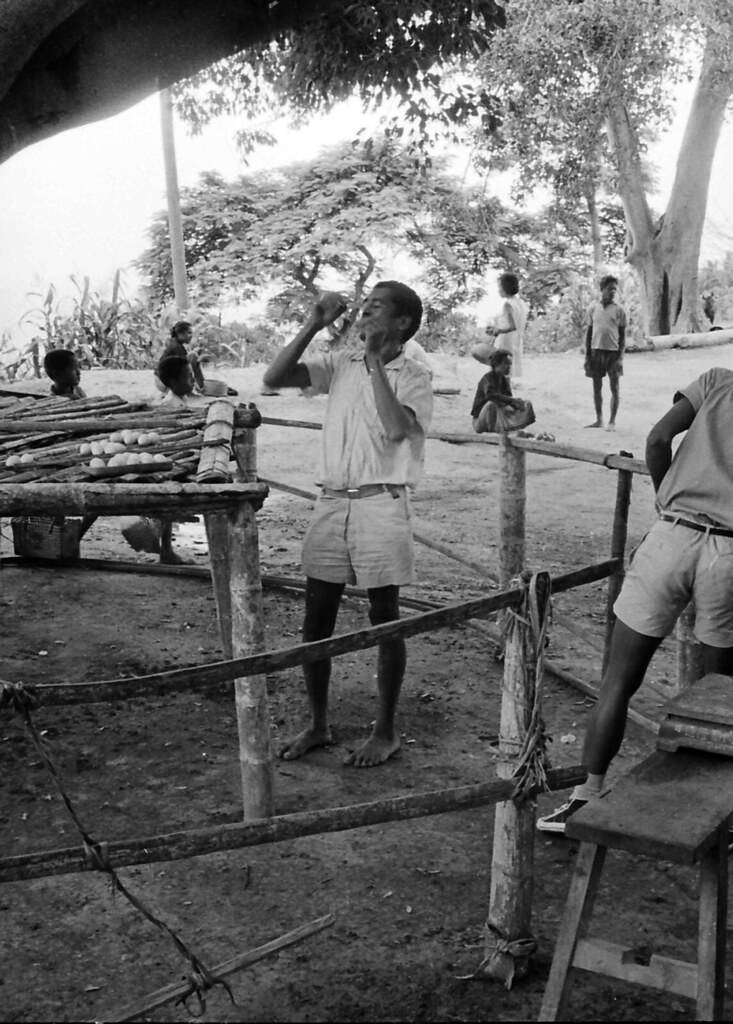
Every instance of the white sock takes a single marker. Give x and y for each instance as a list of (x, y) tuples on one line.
[(590, 789)]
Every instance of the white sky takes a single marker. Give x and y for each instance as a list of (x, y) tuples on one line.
[(80, 203)]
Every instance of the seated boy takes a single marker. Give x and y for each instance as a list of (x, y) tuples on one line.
[(494, 409), (176, 373), (62, 366)]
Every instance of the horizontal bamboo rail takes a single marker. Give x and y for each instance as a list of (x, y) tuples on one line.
[(204, 677), (244, 417), (235, 836), (528, 444), (104, 499)]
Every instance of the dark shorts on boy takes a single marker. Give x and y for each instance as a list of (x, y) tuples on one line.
[(602, 361)]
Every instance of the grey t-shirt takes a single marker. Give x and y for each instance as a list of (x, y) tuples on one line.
[(699, 482)]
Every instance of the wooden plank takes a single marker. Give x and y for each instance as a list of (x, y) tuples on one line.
[(670, 807), (617, 961), (711, 934), (709, 699), (575, 920)]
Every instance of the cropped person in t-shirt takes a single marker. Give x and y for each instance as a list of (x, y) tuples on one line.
[(687, 554)]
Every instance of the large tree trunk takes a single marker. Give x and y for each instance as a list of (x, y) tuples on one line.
[(665, 254)]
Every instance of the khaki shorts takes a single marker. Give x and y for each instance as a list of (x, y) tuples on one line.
[(671, 566), (367, 541)]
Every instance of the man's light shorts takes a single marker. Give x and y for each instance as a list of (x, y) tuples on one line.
[(367, 541), (672, 565)]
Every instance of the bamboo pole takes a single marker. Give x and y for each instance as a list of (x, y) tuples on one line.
[(508, 940), (173, 199), (619, 534), (203, 677), (512, 503), (250, 692), (217, 535), (104, 499), (237, 835), (248, 637), (243, 417), (142, 1007)]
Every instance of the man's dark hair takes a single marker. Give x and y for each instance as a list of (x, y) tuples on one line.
[(170, 369), (177, 328), (510, 283), (608, 279), (498, 356), (58, 362), (406, 303)]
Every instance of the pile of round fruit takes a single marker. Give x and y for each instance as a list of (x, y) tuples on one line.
[(126, 448)]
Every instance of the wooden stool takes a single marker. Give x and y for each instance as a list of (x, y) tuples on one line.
[(673, 807)]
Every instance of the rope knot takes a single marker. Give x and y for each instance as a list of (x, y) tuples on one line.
[(96, 856), (201, 981)]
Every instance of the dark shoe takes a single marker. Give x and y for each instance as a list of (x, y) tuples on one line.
[(555, 822)]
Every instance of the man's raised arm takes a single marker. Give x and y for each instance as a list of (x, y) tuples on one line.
[(286, 370)]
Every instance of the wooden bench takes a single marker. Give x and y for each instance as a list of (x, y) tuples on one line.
[(673, 807)]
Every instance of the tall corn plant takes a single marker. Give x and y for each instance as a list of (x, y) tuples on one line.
[(114, 332)]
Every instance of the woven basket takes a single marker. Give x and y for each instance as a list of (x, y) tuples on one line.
[(55, 539)]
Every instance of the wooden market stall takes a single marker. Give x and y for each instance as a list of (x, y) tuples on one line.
[(109, 457)]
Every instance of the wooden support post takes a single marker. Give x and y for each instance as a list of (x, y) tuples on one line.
[(619, 534), (217, 535), (689, 651), (508, 939), (248, 637), (512, 503)]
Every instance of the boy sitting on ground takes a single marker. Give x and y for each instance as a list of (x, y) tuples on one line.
[(494, 409), (62, 366)]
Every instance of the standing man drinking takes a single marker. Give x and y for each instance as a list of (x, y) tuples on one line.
[(378, 413)]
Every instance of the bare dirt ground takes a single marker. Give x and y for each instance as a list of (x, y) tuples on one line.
[(409, 899)]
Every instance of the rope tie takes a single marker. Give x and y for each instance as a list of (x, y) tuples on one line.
[(509, 959), (528, 625)]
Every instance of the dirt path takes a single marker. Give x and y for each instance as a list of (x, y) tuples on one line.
[(409, 899)]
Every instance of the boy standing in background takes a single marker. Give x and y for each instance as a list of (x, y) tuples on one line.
[(605, 340)]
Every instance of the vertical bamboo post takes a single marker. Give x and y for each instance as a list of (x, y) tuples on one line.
[(217, 535), (512, 504), (689, 651), (175, 221), (619, 534), (508, 939), (248, 637)]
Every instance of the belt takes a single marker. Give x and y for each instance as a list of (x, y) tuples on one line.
[(716, 531), (366, 491)]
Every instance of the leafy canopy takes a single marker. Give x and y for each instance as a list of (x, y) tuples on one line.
[(379, 50)]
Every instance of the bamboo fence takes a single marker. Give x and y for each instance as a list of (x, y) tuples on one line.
[(55, 481)]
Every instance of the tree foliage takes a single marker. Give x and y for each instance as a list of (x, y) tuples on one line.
[(378, 50), (331, 222), (582, 87)]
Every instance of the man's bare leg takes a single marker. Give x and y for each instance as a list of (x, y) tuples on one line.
[(597, 402), (384, 742), (615, 400), (322, 601), (628, 661)]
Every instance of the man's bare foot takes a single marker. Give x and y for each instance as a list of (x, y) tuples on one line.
[(598, 423), (373, 751), (611, 426), (306, 740)]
